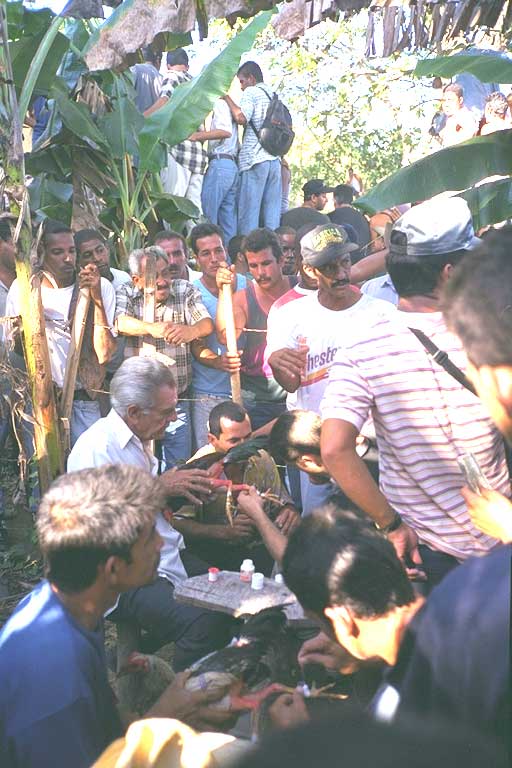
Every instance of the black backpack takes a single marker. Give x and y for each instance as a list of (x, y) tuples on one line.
[(275, 135)]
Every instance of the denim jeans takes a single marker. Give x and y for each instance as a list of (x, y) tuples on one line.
[(259, 201), (177, 443), (201, 407), (219, 195), (83, 415)]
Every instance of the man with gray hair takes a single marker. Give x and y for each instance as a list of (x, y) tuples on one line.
[(180, 318), (97, 534), (143, 395)]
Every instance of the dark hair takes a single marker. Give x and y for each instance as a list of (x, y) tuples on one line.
[(294, 434), (285, 231), (416, 275), (235, 247), (148, 54), (251, 68), (477, 301), (204, 230), (178, 56), (454, 88), (52, 227), (336, 558), (344, 193), (355, 739), (169, 234), (262, 238), (84, 235), (225, 410), (88, 516)]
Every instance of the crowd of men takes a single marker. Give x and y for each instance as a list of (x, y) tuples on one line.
[(375, 398)]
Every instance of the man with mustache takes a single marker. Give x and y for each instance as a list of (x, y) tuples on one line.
[(180, 318), (60, 282), (302, 345), (175, 249), (266, 399)]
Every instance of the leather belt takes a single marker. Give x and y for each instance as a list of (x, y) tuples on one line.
[(221, 156)]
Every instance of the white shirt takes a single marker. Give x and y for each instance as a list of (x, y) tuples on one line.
[(111, 441), (120, 278), (56, 302), (324, 331), (223, 120)]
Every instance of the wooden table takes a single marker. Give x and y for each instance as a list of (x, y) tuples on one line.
[(230, 595)]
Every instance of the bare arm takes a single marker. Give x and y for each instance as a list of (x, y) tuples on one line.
[(251, 504), (217, 133), (241, 531), (202, 353), (160, 102), (131, 326), (369, 267), (236, 113), (103, 340), (338, 447)]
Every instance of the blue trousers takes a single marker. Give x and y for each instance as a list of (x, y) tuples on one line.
[(259, 201), (177, 443), (219, 195)]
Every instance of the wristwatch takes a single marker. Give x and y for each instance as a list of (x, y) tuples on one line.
[(390, 527)]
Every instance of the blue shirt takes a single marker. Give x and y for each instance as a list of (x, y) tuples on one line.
[(56, 706), (381, 288), (205, 380)]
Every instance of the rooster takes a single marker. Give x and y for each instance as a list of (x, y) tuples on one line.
[(251, 667)]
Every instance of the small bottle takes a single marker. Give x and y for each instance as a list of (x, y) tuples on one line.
[(246, 571), (213, 574), (257, 581), (278, 578)]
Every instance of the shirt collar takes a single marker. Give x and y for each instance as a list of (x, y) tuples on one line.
[(121, 429)]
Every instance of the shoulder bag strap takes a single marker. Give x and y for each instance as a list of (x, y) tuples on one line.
[(443, 360), (250, 121)]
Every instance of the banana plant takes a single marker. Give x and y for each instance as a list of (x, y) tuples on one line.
[(118, 153)]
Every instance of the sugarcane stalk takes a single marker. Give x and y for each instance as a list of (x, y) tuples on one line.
[(12, 185), (149, 311), (229, 319)]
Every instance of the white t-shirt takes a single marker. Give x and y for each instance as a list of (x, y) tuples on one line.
[(56, 303), (324, 331)]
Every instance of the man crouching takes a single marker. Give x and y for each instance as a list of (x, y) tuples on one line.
[(97, 534)]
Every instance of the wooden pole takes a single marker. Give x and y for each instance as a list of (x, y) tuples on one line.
[(72, 363), (149, 311), (229, 319)]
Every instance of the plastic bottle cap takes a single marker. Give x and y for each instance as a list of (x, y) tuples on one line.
[(257, 581), (278, 578), (247, 565)]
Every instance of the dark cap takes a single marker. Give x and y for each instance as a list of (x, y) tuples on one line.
[(324, 244), (315, 187)]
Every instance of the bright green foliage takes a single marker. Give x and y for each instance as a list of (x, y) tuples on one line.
[(489, 67)]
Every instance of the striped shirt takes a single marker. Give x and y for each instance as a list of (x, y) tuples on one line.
[(254, 104), (189, 154), (184, 306), (424, 420)]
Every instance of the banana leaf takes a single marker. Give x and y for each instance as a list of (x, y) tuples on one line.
[(454, 168), (50, 198), (489, 67), (191, 102), (78, 119), (173, 209), (22, 21), (22, 53), (121, 127), (490, 203)]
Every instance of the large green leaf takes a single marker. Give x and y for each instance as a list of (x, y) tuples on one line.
[(122, 126), (50, 198), (23, 22), (73, 65), (22, 54), (191, 103), (490, 203), (174, 209), (78, 119), (455, 168), (487, 67)]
